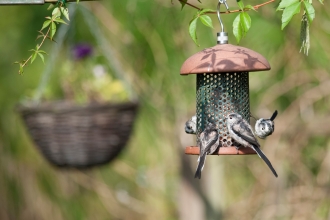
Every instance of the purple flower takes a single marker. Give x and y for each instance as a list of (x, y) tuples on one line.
[(81, 51)]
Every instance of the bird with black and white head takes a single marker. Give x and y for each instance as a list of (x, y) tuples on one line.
[(265, 127), (190, 126), (241, 132)]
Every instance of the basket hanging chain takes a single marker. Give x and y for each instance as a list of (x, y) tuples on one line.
[(107, 51)]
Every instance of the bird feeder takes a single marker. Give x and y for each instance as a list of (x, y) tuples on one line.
[(222, 87)]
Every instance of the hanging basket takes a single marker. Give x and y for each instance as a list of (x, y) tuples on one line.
[(69, 135)]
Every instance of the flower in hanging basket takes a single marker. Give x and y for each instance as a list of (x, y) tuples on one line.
[(87, 78), (81, 51)]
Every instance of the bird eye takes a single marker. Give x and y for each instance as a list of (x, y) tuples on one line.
[(263, 128), (230, 117)]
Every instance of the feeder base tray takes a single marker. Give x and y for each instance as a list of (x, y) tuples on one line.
[(194, 150)]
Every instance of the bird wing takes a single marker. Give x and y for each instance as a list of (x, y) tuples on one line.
[(209, 140), (243, 130)]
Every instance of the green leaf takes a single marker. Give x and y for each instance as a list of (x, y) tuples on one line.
[(41, 34), (21, 69), (237, 28), (289, 12), (286, 3), (42, 57), (206, 10), (240, 4), (56, 13), (59, 20), (34, 55), (310, 11), (249, 7), (52, 30), (192, 30), (46, 24), (183, 3), (65, 12), (51, 6), (245, 21), (321, 1), (206, 20), (42, 51)]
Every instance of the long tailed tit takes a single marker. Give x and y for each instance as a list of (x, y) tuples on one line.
[(265, 127), (190, 127), (208, 144), (242, 132)]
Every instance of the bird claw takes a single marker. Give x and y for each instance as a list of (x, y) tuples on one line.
[(252, 116), (237, 148)]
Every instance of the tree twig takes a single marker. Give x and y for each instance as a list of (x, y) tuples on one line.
[(228, 12), (42, 42)]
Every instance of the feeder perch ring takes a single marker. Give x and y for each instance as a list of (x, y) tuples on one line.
[(194, 150)]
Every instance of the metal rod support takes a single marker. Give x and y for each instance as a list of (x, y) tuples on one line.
[(54, 1), (34, 2)]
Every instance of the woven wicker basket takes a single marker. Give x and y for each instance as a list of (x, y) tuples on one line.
[(80, 136)]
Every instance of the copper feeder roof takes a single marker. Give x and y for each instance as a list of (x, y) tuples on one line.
[(224, 58)]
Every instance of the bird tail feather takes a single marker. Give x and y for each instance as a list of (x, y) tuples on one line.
[(273, 116), (263, 156), (200, 166)]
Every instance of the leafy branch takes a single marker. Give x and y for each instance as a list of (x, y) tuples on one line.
[(293, 7), (255, 7), (205, 19), (242, 22), (47, 31), (241, 25)]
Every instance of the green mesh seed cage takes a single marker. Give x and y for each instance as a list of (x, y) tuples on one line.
[(222, 87)]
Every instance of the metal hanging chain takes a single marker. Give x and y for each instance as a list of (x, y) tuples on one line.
[(107, 50), (62, 32)]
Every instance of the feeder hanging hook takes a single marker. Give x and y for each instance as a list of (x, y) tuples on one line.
[(222, 36)]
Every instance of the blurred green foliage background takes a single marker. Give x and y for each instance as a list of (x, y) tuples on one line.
[(152, 178)]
